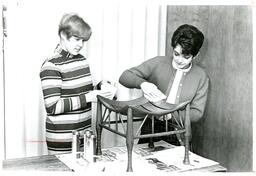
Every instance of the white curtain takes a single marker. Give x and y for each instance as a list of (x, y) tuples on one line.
[(124, 35)]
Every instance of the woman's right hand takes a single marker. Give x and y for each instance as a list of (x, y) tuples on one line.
[(92, 95), (151, 92)]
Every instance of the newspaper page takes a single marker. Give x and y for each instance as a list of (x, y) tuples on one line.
[(164, 157)]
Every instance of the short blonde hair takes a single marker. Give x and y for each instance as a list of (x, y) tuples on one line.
[(72, 24)]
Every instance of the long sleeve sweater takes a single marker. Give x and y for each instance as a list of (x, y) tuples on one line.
[(65, 79), (159, 71)]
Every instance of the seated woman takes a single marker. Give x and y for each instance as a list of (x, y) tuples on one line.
[(175, 76)]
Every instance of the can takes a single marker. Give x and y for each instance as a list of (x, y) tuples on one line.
[(75, 144), (89, 146), (92, 148), (87, 135)]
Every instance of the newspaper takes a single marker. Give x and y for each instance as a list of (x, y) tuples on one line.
[(164, 157), (172, 160)]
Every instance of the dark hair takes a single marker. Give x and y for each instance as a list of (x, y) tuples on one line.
[(189, 37), (73, 25)]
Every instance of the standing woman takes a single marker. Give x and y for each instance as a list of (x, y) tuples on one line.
[(67, 86)]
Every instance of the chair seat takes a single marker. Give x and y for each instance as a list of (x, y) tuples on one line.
[(141, 106)]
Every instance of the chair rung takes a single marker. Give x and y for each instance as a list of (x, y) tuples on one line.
[(160, 134)]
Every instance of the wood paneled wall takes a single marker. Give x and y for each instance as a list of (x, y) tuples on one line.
[(225, 132)]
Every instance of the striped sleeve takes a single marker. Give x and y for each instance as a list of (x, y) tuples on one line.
[(51, 81)]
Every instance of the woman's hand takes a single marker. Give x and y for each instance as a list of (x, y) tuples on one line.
[(151, 92), (92, 96)]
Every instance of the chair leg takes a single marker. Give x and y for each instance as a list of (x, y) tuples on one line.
[(98, 128), (129, 139), (187, 135), (151, 141), (186, 158)]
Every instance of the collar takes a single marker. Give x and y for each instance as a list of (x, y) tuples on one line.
[(180, 69), (63, 52)]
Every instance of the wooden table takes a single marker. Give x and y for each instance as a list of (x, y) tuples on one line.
[(40, 163), (52, 163)]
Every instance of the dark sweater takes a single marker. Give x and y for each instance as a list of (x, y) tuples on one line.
[(159, 71)]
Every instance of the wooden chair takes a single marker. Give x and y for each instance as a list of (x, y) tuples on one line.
[(140, 107)]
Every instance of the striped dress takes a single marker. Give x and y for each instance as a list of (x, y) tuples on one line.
[(65, 80)]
